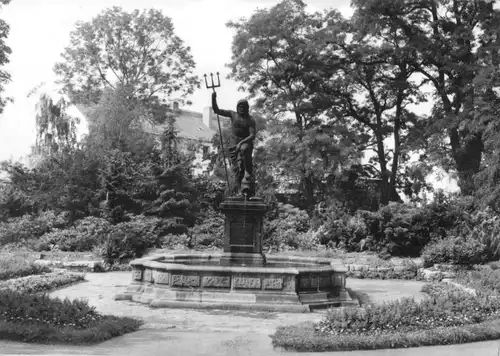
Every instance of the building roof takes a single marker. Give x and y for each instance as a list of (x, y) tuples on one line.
[(190, 125)]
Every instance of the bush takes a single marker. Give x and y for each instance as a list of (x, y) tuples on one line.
[(15, 267), (345, 232), (84, 236), (29, 227), (128, 240), (284, 226), (464, 251), (209, 231), (396, 229), (486, 229)]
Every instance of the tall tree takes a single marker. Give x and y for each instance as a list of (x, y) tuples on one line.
[(137, 49), (270, 54), (447, 37), (368, 85)]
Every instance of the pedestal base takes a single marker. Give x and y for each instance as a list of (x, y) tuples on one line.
[(243, 229), (242, 259)]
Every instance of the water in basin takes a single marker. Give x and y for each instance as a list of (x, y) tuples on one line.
[(194, 262)]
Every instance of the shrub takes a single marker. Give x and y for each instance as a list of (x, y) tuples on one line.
[(394, 230), (209, 231), (345, 232), (29, 227), (84, 236), (129, 239), (283, 227), (486, 228), (464, 251), (15, 267)]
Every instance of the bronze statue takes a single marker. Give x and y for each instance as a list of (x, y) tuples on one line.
[(242, 138)]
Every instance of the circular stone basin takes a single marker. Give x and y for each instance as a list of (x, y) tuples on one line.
[(283, 283)]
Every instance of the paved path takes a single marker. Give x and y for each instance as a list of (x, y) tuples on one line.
[(222, 333)]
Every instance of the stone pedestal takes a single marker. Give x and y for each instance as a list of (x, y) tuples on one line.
[(243, 232)]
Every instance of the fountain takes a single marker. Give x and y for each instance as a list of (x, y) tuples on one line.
[(241, 277)]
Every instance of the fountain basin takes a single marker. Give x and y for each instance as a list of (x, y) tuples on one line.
[(284, 283)]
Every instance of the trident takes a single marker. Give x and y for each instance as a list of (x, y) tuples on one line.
[(213, 86)]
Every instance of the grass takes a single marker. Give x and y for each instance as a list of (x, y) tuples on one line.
[(303, 338)]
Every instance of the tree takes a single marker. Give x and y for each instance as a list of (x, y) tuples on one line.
[(271, 51), (56, 130), (4, 58), (368, 85), (447, 38), (117, 122), (137, 49)]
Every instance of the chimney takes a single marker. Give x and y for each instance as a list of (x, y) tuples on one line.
[(176, 106), (208, 114)]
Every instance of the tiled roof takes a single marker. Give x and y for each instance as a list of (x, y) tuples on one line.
[(189, 125)]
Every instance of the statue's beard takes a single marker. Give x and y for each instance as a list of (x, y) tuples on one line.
[(242, 110)]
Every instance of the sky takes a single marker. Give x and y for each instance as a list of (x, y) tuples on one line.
[(39, 32)]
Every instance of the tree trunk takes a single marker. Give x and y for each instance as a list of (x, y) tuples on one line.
[(467, 156), (393, 194), (384, 176)]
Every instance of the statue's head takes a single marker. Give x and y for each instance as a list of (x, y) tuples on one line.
[(242, 107)]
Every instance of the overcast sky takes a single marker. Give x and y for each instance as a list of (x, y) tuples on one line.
[(40, 31)]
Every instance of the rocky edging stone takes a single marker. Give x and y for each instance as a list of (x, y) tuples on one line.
[(80, 266), (427, 274)]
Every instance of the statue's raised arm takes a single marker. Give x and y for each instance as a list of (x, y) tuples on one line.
[(226, 113)]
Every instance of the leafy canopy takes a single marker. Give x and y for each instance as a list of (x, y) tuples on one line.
[(138, 49)]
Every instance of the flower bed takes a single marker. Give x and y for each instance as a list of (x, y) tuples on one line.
[(453, 314), (42, 283), (27, 314), (56, 321)]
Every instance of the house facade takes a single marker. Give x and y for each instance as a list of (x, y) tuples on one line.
[(195, 130)]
